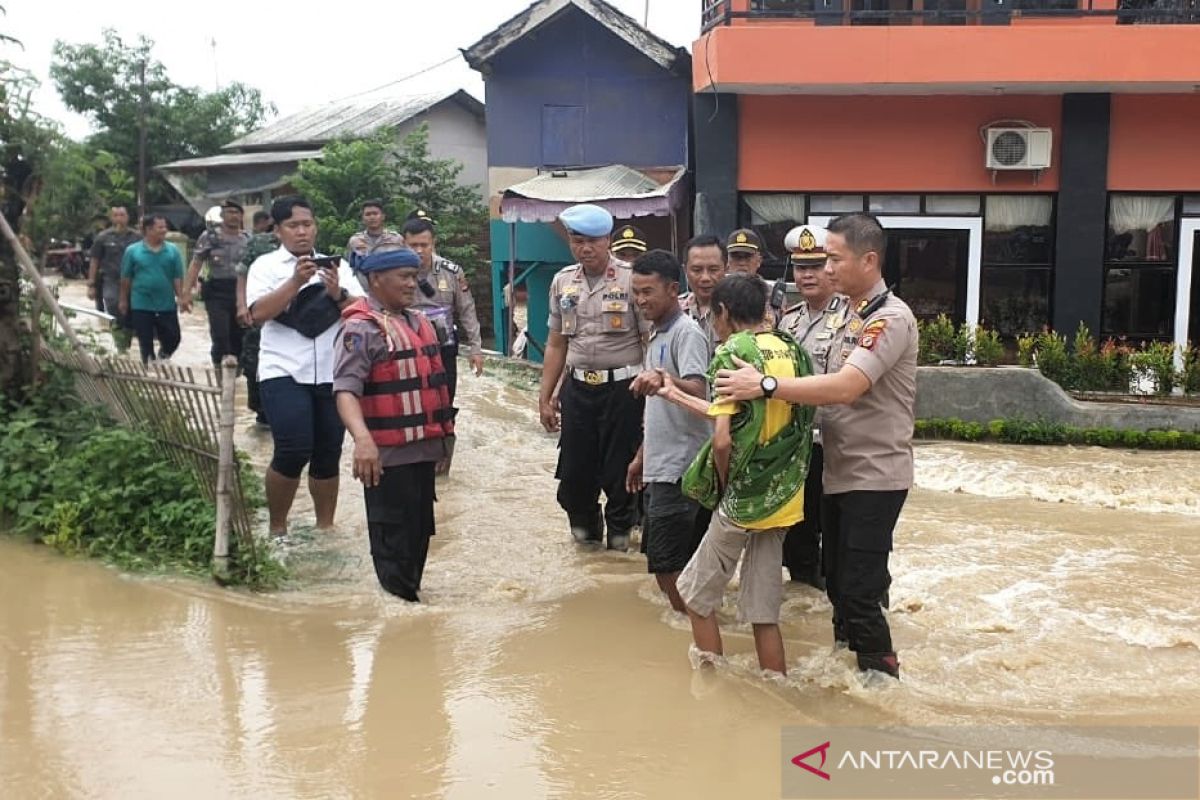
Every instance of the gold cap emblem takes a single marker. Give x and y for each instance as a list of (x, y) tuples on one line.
[(627, 233), (741, 238), (807, 240)]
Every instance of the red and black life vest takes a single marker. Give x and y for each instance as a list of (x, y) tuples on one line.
[(406, 397)]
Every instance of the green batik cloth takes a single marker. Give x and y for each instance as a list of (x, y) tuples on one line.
[(762, 477)]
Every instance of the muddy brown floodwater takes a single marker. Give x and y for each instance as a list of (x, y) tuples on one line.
[(1031, 585)]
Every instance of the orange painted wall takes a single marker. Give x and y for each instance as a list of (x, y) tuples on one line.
[(1154, 143), (906, 144), (1087, 57)]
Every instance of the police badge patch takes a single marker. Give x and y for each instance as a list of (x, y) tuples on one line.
[(351, 341)]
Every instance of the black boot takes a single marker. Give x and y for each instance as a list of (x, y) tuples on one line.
[(587, 528), (618, 540), (887, 663)]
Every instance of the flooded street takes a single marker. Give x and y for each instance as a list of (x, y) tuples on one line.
[(1030, 585)]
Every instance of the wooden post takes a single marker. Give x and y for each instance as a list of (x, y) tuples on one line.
[(225, 466), (35, 336)]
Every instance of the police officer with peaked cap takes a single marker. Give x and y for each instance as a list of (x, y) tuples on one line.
[(815, 323), (745, 253), (868, 393), (596, 340), (628, 243)]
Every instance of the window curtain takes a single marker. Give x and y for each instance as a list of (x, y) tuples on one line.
[(768, 208), (1007, 212), (1127, 214)]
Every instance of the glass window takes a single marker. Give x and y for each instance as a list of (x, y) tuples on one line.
[(771, 216), (895, 204), (1016, 300), (1191, 205), (1139, 302), (835, 203), (1017, 229), (952, 204), (1141, 228)]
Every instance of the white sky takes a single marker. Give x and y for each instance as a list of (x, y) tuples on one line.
[(338, 48)]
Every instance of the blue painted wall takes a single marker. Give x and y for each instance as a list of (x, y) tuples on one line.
[(574, 90)]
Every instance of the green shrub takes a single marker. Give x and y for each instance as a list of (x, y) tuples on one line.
[(937, 341), (1189, 377), (1157, 360), (1024, 431), (1026, 344), (987, 347), (85, 486), (1089, 371), (1053, 360)]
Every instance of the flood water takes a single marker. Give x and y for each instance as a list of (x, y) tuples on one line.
[(1030, 585)]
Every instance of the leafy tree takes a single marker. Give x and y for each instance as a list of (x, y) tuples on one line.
[(104, 83), (406, 178)]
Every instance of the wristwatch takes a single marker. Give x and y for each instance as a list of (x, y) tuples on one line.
[(768, 384)]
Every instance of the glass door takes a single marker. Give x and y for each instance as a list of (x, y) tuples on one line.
[(927, 268)]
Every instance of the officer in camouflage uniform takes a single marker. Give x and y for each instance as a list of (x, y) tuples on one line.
[(262, 242), (222, 250), (104, 276)]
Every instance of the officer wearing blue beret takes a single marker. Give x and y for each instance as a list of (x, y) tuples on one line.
[(596, 340)]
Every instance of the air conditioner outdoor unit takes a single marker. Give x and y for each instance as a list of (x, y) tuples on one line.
[(1018, 148)]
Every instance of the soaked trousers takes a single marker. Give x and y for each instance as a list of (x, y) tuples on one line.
[(450, 364), (802, 546), (857, 528), (601, 432), (220, 303), (248, 361), (399, 523)]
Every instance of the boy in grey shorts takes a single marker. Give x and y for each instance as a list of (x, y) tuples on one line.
[(674, 523), (753, 473)]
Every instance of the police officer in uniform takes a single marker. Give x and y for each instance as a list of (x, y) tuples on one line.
[(868, 393), (264, 241), (104, 277), (596, 338), (374, 234), (445, 297), (745, 252), (704, 264), (815, 323), (223, 250), (628, 243)]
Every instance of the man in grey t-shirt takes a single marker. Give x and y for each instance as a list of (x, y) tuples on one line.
[(674, 523)]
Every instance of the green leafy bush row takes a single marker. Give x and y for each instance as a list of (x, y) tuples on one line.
[(1110, 366), (1021, 431), (941, 340), (72, 479)]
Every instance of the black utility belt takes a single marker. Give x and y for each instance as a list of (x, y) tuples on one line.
[(597, 377)]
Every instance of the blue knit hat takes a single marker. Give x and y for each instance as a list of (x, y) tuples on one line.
[(402, 258)]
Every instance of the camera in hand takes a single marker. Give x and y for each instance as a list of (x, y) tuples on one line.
[(327, 262)]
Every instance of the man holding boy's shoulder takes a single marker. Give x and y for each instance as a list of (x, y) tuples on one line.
[(674, 523), (753, 475)]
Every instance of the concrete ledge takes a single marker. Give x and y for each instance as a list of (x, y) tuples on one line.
[(982, 394)]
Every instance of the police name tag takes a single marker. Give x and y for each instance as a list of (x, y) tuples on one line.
[(615, 306)]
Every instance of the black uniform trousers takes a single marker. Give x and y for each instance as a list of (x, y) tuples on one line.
[(450, 364), (400, 522), (601, 432), (802, 546), (248, 360), (220, 303), (857, 529)]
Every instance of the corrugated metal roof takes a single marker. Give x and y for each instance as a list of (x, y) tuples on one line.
[(657, 50), (584, 185), (351, 119), (242, 159), (624, 191)]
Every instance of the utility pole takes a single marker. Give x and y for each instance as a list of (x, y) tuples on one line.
[(141, 186), (216, 72), (646, 15)]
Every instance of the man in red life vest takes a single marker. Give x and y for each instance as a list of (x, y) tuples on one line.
[(392, 395)]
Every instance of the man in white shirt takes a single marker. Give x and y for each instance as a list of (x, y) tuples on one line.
[(296, 295)]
